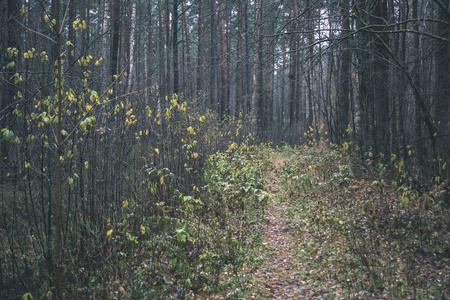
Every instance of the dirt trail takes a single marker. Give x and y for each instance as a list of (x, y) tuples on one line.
[(279, 275)]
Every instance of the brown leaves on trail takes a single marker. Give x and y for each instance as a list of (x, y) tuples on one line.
[(332, 235), (289, 270)]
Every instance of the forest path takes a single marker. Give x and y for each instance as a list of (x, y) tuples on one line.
[(291, 255), (280, 275)]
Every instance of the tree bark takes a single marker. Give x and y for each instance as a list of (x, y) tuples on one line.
[(175, 46), (200, 51), (442, 72), (115, 34), (381, 80), (344, 74), (213, 58)]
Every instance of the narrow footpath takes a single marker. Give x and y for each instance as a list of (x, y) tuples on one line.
[(280, 274), (293, 266)]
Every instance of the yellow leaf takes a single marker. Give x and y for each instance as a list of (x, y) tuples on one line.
[(125, 204), (157, 150), (109, 232), (27, 164), (142, 229), (161, 180), (74, 24)]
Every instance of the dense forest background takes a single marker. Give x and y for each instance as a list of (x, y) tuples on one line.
[(107, 104)]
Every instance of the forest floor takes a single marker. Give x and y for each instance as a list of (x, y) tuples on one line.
[(288, 271), (335, 241)]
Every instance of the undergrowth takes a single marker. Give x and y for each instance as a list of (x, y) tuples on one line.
[(364, 234), (201, 248)]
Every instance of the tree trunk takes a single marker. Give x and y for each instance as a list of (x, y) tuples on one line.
[(344, 74), (131, 46), (175, 46), (189, 83), (260, 75), (381, 80), (115, 34), (442, 85), (310, 58), (200, 52), (417, 75), (240, 61), (293, 67), (213, 58)]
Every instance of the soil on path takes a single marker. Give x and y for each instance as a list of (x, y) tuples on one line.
[(279, 276), (292, 259)]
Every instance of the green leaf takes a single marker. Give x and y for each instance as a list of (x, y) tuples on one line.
[(7, 135), (27, 296)]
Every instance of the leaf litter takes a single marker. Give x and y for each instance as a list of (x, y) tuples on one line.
[(323, 244)]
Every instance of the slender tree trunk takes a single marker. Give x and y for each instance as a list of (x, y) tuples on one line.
[(200, 52), (131, 46), (161, 58), (261, 124), (365, 82), (345, 74), (59, 154), (213, 58), (150, 66), (381, 80), (248, 73), (115, 33), (310, 58), (417, 78), (175, 46), (240, 61), (168, 80), (282, 102), (222, 56), (270, 85), (190, 70), (293, 68)]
